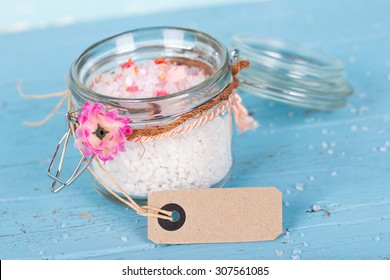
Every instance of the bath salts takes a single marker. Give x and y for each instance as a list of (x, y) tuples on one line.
[(146, 79), (198, 158)]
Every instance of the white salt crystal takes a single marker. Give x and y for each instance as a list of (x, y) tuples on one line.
[(377, 238), (295, 257), (333, 174), (124, 238), (305, 244), (311, 178), (297, 252), (288, 191), (279, 253), (299, 186), (324, 145), (354, 128), (316, 207), (65, 236)]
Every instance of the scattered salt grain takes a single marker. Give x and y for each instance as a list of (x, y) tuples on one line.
[(65, 236), (271, 104), (63, 225), (299, 186), (124, 238), (312, 178), (383, 149), (316, 207), (377, 238), (324, 145), (295, 257), (333, 174), (305, 244), (354, 128), (330, 152), (150, 247), (352, 59), (288, 191), (286, 203), (108, 228), (301, 234), (279, 253), (297, 252), (324, 131)]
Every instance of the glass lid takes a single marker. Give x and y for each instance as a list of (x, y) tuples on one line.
[(292, 74)]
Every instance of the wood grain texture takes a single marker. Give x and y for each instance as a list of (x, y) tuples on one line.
[(341, 158)]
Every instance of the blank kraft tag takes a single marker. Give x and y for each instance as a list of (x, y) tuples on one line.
[(217, 215)]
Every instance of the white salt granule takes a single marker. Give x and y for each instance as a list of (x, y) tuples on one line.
[(295, 257), (279, 253), (199, 158), (316, 207), (299, 186)]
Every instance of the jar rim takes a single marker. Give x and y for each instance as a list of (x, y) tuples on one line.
[(75, 80)]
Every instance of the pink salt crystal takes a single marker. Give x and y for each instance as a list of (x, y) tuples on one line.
[(161, 93), (127, 64), (176, 74), (132, 89)]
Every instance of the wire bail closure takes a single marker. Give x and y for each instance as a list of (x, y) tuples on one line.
[(64, 142)]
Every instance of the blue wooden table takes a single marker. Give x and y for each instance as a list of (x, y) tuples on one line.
[(332, 167)]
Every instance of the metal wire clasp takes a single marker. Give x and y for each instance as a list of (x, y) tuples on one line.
[(72, 120), (234, 56)]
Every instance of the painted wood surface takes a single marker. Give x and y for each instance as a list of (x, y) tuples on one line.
[(337, 162)]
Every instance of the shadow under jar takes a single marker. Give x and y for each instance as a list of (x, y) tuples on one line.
[(198, 158)]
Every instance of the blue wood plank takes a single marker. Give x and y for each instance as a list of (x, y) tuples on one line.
[(340, 160)]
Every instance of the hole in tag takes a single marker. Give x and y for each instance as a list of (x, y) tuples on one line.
[(175, 216), (178, 216)]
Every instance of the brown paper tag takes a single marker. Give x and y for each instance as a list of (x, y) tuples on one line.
[(217, 215)]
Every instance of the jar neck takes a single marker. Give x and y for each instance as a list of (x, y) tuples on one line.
[(159, 110), (191, 47)]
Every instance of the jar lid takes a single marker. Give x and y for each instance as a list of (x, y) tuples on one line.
[(292, 74)]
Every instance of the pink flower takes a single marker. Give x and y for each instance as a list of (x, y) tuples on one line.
[(101, 133)]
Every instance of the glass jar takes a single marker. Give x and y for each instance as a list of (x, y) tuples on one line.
[(198, 158)]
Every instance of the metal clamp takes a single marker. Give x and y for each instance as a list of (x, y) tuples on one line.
[(78, 170), (234, 56)]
